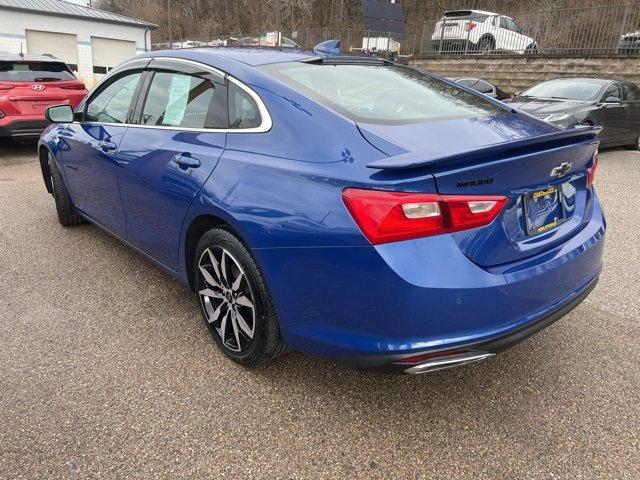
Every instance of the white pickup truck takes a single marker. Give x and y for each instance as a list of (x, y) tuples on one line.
[(479, 31)]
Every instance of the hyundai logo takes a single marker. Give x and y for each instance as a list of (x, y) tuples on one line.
[(561, 169), (37, 87)]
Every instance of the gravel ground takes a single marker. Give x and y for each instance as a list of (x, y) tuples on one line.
[(107, 371)]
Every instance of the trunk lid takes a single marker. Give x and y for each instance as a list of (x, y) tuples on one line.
[(541, 169)]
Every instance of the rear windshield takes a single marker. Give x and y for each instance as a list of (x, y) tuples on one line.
[(381, 93), (464, 15), (564, 89), (34, 72)]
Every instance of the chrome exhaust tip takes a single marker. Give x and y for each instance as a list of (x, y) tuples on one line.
[(447, 362)]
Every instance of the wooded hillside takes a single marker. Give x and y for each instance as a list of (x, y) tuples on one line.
[(202, 18)]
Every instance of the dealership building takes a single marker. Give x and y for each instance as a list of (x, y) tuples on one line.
[(89, 40)]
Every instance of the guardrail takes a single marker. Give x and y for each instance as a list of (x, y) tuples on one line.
[(581, 31)]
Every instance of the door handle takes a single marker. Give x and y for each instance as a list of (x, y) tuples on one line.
[(185, 162), (107, 146)]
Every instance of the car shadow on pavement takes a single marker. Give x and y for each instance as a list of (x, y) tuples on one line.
[(14, 153)]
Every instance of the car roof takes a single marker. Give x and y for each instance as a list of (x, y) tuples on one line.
[(252, 56), (15, 57)]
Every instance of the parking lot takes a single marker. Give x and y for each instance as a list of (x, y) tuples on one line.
[(107, 371)]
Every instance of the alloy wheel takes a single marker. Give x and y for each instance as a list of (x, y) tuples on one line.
[(226, 298)]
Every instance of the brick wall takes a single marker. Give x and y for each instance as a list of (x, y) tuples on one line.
[(517, 74)]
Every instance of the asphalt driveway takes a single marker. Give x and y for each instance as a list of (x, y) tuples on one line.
[(107, 371)]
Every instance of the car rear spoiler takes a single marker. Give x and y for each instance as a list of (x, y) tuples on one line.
[(426, 158)]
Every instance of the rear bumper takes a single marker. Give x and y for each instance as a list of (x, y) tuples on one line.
[(22, 127), (463, 353)]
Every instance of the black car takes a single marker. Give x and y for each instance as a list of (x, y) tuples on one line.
[(481, 86), (565, 102)]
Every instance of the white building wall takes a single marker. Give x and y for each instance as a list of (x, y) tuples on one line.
[(13, 25)]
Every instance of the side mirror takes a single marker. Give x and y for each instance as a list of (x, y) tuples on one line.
[(612, 100), (59, 114)]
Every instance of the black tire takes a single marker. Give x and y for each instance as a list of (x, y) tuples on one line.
[(67, 215), (487, 44), (266, 343)]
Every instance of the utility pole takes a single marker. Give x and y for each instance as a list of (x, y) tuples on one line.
[(169, 23), (278, 21)]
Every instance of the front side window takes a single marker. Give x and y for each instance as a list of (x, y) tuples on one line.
[(382, 93), (180, 100), (508, 24), (112, 101), (614, 90)]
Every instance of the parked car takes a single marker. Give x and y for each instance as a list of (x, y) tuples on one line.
[(566, 102), (480, 31), (29, 84), (629, 42), (344, 206), (481, 86)]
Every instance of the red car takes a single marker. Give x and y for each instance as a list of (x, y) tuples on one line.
[(28, 85)]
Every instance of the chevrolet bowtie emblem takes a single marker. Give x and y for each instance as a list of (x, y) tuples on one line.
[(561, 169)]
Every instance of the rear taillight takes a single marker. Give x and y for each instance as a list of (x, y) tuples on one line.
[(6, 87), (469, 26), (385, 216), (73, 86), (591, 172)]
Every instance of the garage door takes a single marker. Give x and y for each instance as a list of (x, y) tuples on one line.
[(107, 53), (61, 45)]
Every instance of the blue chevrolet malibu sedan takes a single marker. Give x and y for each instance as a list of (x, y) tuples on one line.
[(343, 206)]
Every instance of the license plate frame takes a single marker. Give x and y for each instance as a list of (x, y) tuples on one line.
[(544, 210)]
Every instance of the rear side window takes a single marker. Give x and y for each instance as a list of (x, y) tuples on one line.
[(186, 101), (110, 104), (243, 111), (631, 92), (382, 94), (35, 72)]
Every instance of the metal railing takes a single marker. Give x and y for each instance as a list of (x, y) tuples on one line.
[(582, 31), (351, 40)]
